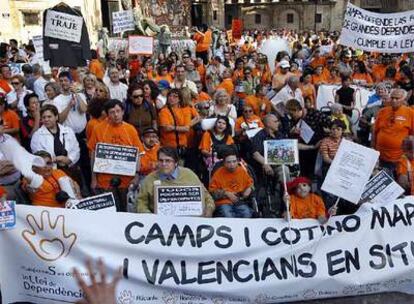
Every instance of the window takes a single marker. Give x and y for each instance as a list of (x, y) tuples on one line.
[(318, 18), (290, 18), (31, 18), (257, 18), (214, 15)]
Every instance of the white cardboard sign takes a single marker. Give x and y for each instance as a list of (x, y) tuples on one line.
[(122, 21), (141, 45), (63, 26)]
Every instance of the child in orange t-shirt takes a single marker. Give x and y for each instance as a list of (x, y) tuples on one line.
[(303, 203)]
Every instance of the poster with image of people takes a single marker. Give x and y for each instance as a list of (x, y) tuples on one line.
[(281, 152)]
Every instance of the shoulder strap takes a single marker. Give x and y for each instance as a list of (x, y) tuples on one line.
[(177, 139)]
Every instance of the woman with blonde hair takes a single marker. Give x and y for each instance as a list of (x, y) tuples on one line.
[(222, 106), (89, 86), (101, 91)]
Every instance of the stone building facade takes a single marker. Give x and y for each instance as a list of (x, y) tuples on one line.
[(292, 14)]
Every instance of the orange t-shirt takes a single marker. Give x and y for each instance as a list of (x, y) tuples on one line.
[(124, 134), (206, 143), (202, 96), (5, 86), (45, 195), (405, 167), (11, 121), (96, 68), (378, 72), (308, 91), (168, 138), (254, 119), (149, 160), (318, 79), (310, 207), (363, 77), (260, 106), (235, 182), (167, 77), (391, 127), (237, 75), (92, 123), (227, 84), (315, 62)]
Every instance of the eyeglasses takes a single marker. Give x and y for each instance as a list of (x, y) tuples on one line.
[(186, 57), (15, 83), (137, 96), (168, 161)]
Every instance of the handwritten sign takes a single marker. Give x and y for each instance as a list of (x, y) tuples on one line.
[(350, 171), (122, 21), (63, 26), (381, 189), (179, 200), (115, 159), (7, 215), (141, 45), (104, 201)]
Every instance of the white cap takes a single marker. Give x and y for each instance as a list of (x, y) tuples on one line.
[(284, 64)]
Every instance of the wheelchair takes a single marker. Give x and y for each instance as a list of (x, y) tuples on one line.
[(251, 200)]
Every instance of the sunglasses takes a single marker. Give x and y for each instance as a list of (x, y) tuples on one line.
[(137, 96), (15, 83)]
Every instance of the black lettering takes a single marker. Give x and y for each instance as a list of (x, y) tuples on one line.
[(222, 270), (400, 248), (269, 268), (331, 262), (305, 259), (286, 230), (351, 223), (175, 233), (128, 236), (155, 233), (202, 239), (265, 237), (184, 279), (236, 272), (376, 251), (247, 236), (224, 232), (202, 272), (151, 278), (168, 271)]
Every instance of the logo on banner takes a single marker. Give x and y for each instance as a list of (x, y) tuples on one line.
[(48, 238)]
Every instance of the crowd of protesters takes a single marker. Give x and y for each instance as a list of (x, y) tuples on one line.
[(201, 118)]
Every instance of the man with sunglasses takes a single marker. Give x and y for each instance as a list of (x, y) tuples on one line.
[(169, 173)]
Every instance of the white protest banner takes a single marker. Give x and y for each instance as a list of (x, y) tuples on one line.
[(350, 171), (326, 96), (105, 202), (208, 261), (63, 26), (281, 152), (115, 159), (374, 32), (381, 189), (179, 200), (141, 45), (122, 21)]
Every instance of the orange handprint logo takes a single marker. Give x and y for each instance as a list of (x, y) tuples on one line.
[(48, 239)]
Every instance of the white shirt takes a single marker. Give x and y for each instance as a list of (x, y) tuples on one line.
[(186, 84), (12, 96), (285, 94), (75, 120), (117, 91), (39, 88), (42, 139)]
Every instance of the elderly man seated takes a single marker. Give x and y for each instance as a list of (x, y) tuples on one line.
[(170, 174)]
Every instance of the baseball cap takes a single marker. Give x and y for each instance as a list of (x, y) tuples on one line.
[(163, 85), (284, 64)]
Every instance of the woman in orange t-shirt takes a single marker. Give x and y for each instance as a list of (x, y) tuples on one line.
[(42, 191), (213, 140), (174, 125), (361, 76), (163, 74)]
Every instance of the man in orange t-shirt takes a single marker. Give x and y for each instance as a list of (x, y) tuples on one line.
[(231, 186), (227, 82), (114, 131), (393, 124), (96, 67), (5, 76), (151, 146)]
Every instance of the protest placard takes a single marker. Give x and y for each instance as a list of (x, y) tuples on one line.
[(115, 159), (38, 45), (141, 45), (281, 152), (374, 32), (63, 26), (7, 215), (306, 132), (350, 171), (189, 259), (122, 21), (381, 189), (179, 200), (103, 201)]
